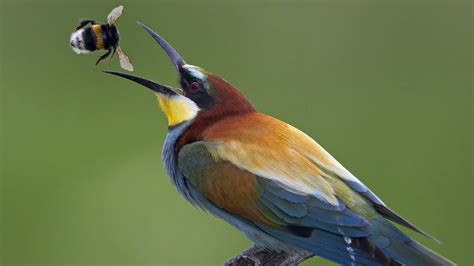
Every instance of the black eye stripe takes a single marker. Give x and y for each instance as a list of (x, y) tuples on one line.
[(200, 96)]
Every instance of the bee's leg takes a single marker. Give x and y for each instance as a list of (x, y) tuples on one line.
[(83, 23), (113, 53), (103, 57)]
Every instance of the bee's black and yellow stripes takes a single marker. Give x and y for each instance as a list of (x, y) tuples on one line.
[(97, 30), (95, 37)]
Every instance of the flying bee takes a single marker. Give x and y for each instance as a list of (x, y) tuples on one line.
[(89, 38)]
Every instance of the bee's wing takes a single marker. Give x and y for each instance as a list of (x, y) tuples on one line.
[(114, 15), (124, 61)]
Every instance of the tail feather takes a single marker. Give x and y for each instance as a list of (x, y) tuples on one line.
[(402, 248), (395, 217), (345, 251), (413, 253)]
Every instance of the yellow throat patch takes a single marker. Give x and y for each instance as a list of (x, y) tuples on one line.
[(177, 108)]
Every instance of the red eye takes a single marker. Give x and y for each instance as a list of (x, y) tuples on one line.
[(194, 86)]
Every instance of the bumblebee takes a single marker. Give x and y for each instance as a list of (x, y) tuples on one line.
[(90, 36)]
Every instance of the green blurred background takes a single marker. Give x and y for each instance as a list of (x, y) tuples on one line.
[(385, 86)]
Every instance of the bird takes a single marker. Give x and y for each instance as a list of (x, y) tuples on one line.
[(270, 180)]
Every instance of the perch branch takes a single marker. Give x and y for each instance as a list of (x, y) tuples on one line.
[(259, 257)]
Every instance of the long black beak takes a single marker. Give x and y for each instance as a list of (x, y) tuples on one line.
[(156, 87), (175, 57)]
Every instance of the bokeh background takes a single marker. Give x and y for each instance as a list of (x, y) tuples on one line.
[(385, 86)]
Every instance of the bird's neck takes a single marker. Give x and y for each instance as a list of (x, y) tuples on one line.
[(196, 128), (170, 157)]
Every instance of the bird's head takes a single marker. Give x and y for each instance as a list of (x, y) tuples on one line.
[(202, 94)]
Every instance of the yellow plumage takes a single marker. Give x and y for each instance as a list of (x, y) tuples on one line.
[(177, 108)]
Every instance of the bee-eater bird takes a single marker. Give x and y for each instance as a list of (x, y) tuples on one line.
[(271, 181)]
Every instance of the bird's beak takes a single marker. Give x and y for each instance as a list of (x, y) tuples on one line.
[(175, 58), (156, 87)]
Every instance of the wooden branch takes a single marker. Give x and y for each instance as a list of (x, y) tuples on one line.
[(258, 257)]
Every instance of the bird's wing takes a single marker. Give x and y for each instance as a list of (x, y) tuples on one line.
[(261, 199), (275, 150), (272, 149), (331, 231)]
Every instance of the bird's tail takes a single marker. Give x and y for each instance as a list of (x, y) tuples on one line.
[(413, 253), (386, 246), (404, 249)]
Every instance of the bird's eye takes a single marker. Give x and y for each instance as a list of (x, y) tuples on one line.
[(194, 86)]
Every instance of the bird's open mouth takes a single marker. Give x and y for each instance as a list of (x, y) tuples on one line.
[(175, 58)]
